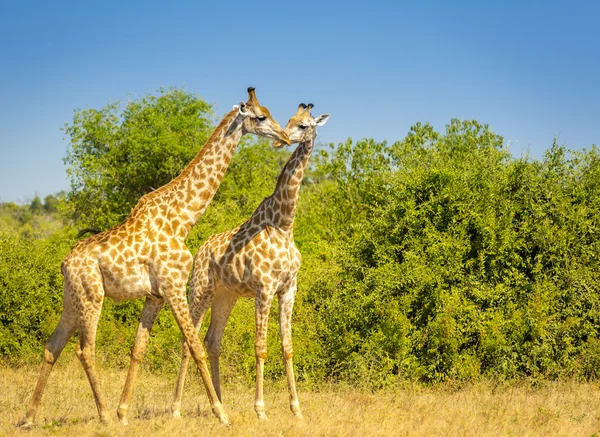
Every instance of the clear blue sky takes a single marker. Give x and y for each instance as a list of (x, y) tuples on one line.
[(531, 70)]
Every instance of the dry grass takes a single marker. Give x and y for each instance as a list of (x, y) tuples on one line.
[(555, 409)]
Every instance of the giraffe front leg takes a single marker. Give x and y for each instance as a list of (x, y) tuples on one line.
[(263, 307), (201, 298), (286, 305), (177, 301), (149, 313)]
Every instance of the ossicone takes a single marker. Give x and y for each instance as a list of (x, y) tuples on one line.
[(252, 94), (301, 108)]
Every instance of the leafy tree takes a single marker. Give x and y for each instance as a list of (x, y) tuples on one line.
[(116, 154), (36, 219), (51, 202), (36, 206)]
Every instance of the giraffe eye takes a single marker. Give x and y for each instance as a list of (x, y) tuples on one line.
[(302, 127), (261, 118)]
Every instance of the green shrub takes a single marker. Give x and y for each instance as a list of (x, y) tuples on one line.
[(30, 291), (437, 257)]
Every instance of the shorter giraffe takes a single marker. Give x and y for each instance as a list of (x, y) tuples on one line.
[(257, 259)]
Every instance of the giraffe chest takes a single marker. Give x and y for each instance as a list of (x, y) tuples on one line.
[(267, 262)]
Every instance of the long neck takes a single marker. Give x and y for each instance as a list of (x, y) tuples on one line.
[(189, 194), (285, 197)]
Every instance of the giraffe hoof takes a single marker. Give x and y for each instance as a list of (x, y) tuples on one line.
[(261, 415), (224, 420), (298, 415), (122, 414), (25, 423), (176, 414)]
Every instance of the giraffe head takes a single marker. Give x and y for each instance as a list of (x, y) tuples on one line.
[(303, 126), (256, 119)]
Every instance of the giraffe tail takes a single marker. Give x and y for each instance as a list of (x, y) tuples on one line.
[(87, 231)]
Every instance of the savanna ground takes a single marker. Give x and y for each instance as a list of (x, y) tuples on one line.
[(550, 409)]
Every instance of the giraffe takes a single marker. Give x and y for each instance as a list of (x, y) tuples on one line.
[(146, 256), (257, 259)]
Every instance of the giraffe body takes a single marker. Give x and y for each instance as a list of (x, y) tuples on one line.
[(266, 255), (258, 259), (146, 256)]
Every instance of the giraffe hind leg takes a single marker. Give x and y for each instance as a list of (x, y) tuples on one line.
[(86, 352), (52, 350), (220, 312), (264, 297), (88, 297)]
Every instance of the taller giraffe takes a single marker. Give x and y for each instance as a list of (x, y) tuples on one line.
[(146, 256), (257, 259)]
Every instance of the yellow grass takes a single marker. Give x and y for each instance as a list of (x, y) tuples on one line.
[(68, 409)]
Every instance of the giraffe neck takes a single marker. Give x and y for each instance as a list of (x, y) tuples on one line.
[(285, 197), (187, 196)]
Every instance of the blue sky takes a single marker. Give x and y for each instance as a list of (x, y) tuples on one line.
[(531, 70)]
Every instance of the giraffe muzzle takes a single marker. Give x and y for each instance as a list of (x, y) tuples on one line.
[(284, 140)]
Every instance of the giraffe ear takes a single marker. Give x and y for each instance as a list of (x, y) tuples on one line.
[(241, 115), (242, 109), (321, 119)]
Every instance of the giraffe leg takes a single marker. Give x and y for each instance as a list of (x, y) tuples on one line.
[(219, 315), (201, 301), (86, 349), (149, 313), (54, 346), (175, 297), (185, 360), (286, 304), (263, 306)]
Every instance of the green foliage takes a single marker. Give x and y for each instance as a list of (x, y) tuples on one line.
[(34, 220), (30, 291), (117, 155), (437, 257), (460, 260)]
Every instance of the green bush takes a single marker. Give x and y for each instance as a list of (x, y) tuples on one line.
[(437, 257), (460, 260), (30, 291)]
